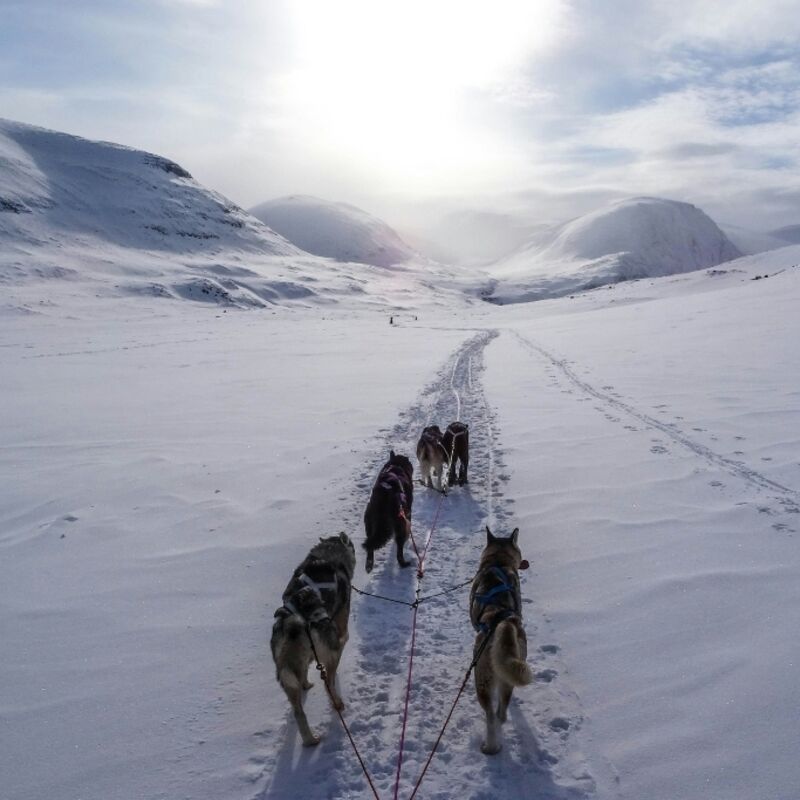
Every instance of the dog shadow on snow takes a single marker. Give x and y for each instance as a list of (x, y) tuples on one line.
[(520, 761)]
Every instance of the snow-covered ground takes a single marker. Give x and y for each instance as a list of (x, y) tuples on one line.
[(166, 465)]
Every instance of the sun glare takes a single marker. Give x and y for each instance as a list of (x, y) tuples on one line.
[(386, 84)]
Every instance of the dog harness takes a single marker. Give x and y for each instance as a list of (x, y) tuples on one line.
[(390, 480), (498, 596), (309, 593)]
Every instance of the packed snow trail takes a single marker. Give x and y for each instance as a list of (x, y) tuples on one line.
[(537, 758)]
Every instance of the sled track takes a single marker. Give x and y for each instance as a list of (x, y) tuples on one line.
[(374, 666), (735, 468)]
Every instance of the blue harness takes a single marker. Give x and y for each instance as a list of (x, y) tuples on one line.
[(487, 600)]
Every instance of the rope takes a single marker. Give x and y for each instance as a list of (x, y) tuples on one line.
[(420, 575), (421, 562), (408, 696), (324, 675), (472, 665), (415, 602)]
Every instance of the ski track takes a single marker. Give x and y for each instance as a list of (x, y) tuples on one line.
[(787, 497), (538, 757)]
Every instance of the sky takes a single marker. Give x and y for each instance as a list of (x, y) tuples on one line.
[(541, 109)]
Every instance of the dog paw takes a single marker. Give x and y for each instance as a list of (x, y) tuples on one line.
[(338, 704), (311, 742), (308, 685), (490, 751)]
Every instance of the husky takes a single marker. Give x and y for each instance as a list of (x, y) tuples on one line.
[(456, 443), (388, 511), (433, 458), (316, 608), (496, 612)]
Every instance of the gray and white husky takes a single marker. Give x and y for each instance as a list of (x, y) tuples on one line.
[(316, 607), (496, 612), (434, 459)]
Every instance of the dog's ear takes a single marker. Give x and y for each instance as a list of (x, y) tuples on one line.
[(489, 536), (514, 535), (343, 536), (391, 454)]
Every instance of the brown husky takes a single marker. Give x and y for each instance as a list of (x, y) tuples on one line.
[(496, 612), (316, 607), (433, 458)]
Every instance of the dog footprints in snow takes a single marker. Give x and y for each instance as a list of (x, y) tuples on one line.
[(546, 675), (560, 724), (658, 448)]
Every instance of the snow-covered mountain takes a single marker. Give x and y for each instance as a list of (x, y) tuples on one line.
[(633, 238), (86, 218), (334, 230), (60, 188)]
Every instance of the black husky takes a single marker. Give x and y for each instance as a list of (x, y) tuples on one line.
[(456, 442), (389, 509)]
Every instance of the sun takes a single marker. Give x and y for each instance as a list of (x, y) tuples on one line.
[(389, 85)]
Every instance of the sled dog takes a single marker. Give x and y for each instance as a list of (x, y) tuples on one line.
[(388, 511), (456, 443), (316, 606), (433, 457), (496, 612)]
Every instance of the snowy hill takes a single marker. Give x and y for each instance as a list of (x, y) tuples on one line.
[(95, 219), (633, 238), (54, 186), (334, 230)]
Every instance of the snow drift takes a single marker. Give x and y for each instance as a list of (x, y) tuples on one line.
[(634, 238), (334, 230)]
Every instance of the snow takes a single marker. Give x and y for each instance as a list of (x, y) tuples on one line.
[(167, 463), (334, 230), (635, 238)]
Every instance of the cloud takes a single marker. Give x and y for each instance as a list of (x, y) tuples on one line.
[(553, 105)]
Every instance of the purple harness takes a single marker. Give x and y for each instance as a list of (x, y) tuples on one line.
[(389, 479)]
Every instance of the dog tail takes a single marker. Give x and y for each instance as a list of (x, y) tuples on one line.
[(506, 655)]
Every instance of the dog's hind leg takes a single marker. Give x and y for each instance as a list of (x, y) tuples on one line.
[(368, 543), (425, 472), (483, 688), (331, 663), (439, 472), (294, 691), (402, 530), (451, 475), (504, 698)]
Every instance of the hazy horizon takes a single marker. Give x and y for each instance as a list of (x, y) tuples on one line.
[(543, 111)]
